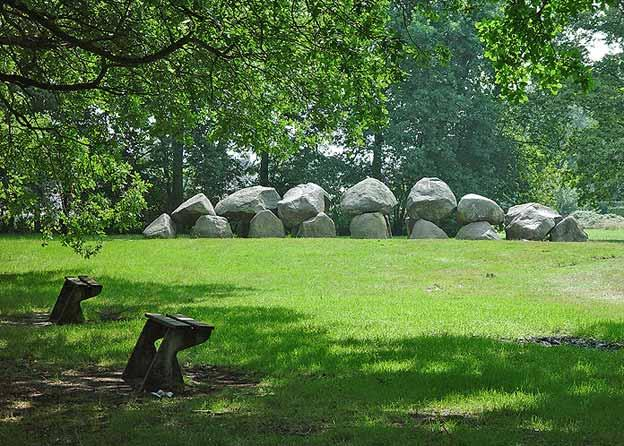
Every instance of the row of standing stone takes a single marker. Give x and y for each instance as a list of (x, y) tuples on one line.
[(255, 212), (431, 205), (431, 202), (260, 212)]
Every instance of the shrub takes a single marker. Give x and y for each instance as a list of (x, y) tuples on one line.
[(566, 200), (594, 220)]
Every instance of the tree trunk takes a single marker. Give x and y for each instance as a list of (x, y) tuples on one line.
[(377, 163), (177, 176), (264, 169)]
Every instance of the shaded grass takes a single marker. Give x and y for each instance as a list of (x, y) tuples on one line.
[(356, 341)]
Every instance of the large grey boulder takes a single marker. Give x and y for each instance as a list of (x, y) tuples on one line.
[(320, 226), (368, 196), (247, 202), (479, 230), (568, 230), (474, 208), (424, 229), (188, 212), (241, 206), (431, 199), (524, 208), (266, 224), (530, 221), (370, 225), (211, 226), (301, 203), (161, 227)]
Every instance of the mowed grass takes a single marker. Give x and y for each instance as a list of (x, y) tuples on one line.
[(353, 341)]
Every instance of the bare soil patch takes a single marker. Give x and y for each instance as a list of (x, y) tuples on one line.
[(554, 341), (31, 385)]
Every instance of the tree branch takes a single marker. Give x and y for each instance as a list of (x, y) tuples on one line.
[(24, 81), (122, 60), (30, 42)]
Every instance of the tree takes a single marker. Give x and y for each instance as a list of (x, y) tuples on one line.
[(575, 140), (445, 119), (523, 43)]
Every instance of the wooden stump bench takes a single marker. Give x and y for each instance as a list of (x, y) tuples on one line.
[(67, 308), (150, 369)]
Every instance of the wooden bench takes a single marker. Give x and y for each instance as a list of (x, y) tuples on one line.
[(67, 308), (151, 369)]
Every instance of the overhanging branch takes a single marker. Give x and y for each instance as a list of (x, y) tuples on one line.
[(24, 81)]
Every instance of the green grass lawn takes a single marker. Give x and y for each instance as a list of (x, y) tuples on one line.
[(351, 341)]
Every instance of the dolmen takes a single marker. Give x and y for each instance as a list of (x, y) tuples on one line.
[(534, 221), (478, 215), (150, 368), (432, 212), (196, 213), (368, 203), (302, 210), (67, 309), (429, 204), (255, 212), (241, 207)]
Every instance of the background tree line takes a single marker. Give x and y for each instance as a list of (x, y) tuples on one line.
[(445, 119)]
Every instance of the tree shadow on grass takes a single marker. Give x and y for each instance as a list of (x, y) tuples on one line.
[(33, 292), (323, 389), (26, 298)]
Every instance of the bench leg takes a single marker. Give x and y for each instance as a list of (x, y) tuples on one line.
[(164, 372), (143, 353), (67, 308)]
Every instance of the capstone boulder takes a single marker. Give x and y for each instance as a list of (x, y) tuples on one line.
[(301, 203), (530, 221), (431, 199), (247, 202), (188, 212), (368, 196), (524, 208), (241, 206), (474, 208)]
